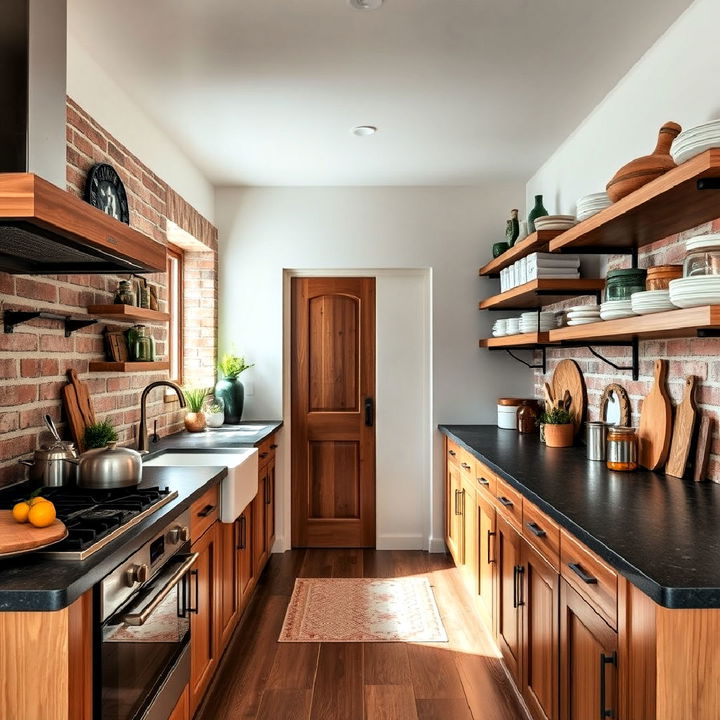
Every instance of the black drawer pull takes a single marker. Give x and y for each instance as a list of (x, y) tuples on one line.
[(605, 660), (206, 511), (196, 576), (536, 530), (483, 481), (263, 455), (452, 452), (578, 570), (504, 501), (465, 466), (273, 446), (491, 534)]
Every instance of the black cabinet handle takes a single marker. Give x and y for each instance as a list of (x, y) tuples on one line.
[(483, 481), (195, 574), (206, 511), (273, 446), (504, 501), (369, 412), (515, 577), (465, 466), (452, 452), (489, 542), (243, 533), (536, 530), (521, 586), (263, 455), (605, 660), (518, 570), (585, 577)]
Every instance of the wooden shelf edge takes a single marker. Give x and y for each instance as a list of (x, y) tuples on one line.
[(535, 242), (128, 313), (516, 341), (102, 366), (582, 285)]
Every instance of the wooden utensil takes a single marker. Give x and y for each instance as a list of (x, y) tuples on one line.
[(566, 401), (16, 538), (642, 170), (83, 396), (569, 378), (683, 428), (78, 408), (549, 399), (656, 422), (702, 449)]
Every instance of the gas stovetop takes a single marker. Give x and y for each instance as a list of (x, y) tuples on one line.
[(96, 517)]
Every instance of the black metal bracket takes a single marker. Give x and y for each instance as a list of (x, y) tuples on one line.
[(709, 183), (633, 344), (708, 333), (543, 364), (604, 250), (12, 318)]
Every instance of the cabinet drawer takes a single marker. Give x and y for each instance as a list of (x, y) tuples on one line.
[(266, 450), (590, 576), (509, 502), (452, 452), (542, 533), (485, 478), (204, 512)]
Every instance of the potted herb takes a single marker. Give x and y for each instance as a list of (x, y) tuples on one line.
[(99, 434), (229, 387), (195, 417), (559, 427)]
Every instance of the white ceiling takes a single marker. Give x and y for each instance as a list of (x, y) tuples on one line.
[(265, 92)]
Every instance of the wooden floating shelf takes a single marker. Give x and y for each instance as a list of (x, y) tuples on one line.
[(523, 340), (541, 292), (670, 324), (535, 242), (128, 313), (667, 205), (101, 366)]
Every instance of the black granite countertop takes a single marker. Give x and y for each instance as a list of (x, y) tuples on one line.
[(661, 533)]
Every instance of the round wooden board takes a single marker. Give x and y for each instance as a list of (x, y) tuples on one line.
[(568, 376), (16, 538)]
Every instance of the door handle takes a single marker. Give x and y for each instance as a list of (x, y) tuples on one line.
[(490, 534), (520, 592), (369, 412), (515, 586), (605, 660)]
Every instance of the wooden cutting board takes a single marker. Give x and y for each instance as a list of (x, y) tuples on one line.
[(702, 450), (656, 422), (683, 429), (568, 377), (16, 538), (78, 408)]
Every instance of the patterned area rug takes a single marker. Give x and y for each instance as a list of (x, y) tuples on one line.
[(362, 610)]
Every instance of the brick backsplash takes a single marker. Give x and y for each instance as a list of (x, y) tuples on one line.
[(35, 358), (687, 356)]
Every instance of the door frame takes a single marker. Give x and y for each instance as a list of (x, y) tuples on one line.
[(383, 431)]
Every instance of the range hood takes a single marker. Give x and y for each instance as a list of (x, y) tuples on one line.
[(44, 229)]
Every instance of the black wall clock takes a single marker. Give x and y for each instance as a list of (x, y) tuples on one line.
[(104, 189)]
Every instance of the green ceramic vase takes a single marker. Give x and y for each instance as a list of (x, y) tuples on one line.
[(538, 211), (232, 392)]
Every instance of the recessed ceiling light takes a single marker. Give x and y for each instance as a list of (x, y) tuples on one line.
[(365, 4), (364, 130)]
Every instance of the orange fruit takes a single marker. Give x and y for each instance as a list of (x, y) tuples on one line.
[(20, 512), (37, 499), (42, 514)]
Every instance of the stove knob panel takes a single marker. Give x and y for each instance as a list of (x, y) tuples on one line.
[(137, 574), (178, 534)]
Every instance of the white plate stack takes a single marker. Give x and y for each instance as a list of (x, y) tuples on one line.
[(592, 204), (695, 140), (651, 301), (555, 222), (616, 309), (583, 315), (529, 322), (695, 291), (552, 265), (499, 328)]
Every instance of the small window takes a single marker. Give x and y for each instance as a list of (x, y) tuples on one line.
[(175, 308)]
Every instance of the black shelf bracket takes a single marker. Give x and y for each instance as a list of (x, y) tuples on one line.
[(708, 333), (543, 364), (12, 318), (632, 344), (708, 183)]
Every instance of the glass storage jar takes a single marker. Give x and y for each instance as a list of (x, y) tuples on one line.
[(124, 295), (142, 346), (622, 284), (622, 449), (659, 277), (214, 409), (703, 256)]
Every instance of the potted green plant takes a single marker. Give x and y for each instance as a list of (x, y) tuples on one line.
[(229, 387), (195, 417), (99, 434), (559, 427)]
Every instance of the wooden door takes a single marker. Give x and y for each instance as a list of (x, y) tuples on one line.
[(588, 660), (205, 587), (333, 395), (453, 514), (469, 509), (270, 504), (260, 548), (487, 557), (509, 577), (540, 599), (245, 572), (229, 596)]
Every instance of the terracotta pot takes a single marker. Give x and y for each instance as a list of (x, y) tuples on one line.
[(559, 435), (195, 422), (642, 170)]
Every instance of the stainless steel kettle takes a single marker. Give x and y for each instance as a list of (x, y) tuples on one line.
[(53, 465), (109, 467)]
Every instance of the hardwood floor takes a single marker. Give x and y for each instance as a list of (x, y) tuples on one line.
[(261, 679)]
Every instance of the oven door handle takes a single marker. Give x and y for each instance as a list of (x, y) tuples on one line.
[(141, 617)]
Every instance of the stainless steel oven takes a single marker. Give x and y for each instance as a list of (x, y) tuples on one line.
[(143, 640)]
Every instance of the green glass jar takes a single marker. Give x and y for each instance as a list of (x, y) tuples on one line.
[(142, 346), (537, 211)]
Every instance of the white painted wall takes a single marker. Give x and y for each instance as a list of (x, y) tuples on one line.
[(101, 96), (447, 230), (675, 80)]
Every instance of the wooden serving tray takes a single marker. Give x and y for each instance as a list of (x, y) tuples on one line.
[(17, 538)]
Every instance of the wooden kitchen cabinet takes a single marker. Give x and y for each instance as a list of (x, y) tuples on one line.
[(468, 519), (245, 562), (230, 604), (270, 502), (487, 559), (453, 515), (509, 581), (182, 709), (259, 513), (205, 591), (588, 660)]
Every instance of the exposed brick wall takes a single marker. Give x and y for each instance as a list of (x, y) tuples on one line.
[(687, 356), (35, 358)]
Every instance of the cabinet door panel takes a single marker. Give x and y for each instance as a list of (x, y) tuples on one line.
[(540, 598), (229, 598), (468, 507), (259, 531), (453, 524), (509, 626), (270, 505), (245, 557), (487, 549), (588, 660)]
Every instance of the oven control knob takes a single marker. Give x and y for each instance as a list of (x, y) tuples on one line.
[(137, 574), (178, 534)]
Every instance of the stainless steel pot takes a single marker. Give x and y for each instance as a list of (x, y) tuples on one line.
[(110, 467), (54, 465)]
